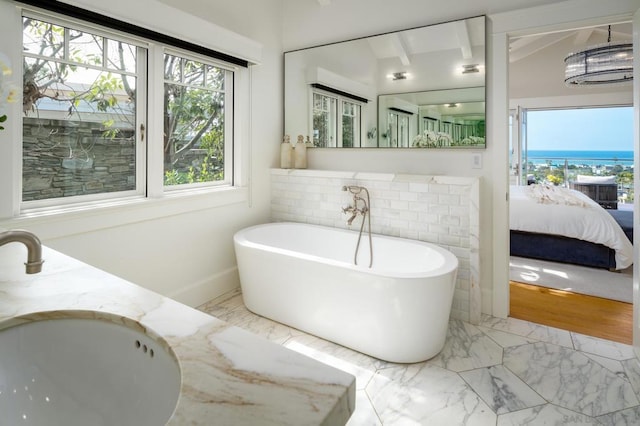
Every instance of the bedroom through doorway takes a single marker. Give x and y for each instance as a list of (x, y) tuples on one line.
[(571, 188)]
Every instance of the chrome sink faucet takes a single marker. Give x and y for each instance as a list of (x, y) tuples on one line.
[(33, 265)]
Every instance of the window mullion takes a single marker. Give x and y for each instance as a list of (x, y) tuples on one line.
[(155, 123), (105, 53), (339, 117), (228, 125), (67, 36), (142, 139)]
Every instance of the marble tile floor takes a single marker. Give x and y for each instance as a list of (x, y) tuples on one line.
[(501, 372)]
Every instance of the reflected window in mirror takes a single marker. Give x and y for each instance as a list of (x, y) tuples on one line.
[(325, 112), (350, 124), (431, 124), (399, 130), (336, 120)]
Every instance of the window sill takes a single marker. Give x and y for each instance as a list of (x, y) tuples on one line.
[(89, 217)]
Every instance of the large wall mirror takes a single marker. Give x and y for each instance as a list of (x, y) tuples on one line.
[(419, 88)]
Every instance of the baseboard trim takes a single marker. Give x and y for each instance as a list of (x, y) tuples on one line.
[(201, 292)]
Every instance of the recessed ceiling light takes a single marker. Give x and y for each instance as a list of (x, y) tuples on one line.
[(398, 76), (468, 69)]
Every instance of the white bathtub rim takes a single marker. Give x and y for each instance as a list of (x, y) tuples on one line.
[(450, 265)]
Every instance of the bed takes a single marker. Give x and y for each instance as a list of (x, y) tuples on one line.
[(564, 225)]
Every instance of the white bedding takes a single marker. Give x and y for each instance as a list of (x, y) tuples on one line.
[(561, 211)]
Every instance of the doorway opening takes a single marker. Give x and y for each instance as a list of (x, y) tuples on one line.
[(571, 153)]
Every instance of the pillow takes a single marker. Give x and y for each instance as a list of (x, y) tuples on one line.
[(595, 179)]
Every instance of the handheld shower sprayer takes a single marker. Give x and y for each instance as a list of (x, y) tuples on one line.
[(353, 189), (356, 190)]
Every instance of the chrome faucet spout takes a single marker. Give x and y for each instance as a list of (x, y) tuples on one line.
[(353, 216), (34, 262)]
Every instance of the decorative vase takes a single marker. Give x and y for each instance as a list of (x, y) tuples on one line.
[(300, 154), (286, 154)]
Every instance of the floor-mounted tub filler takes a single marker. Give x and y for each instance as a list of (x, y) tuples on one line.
[(304, 276)]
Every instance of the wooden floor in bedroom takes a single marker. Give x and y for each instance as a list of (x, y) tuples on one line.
[(593, 316)]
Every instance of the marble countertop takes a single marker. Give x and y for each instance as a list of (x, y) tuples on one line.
[(228, 374)]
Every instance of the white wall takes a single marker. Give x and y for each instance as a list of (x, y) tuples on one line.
[(347, 21), (180, 248)]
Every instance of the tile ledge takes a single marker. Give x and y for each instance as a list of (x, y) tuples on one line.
[(388, 177)]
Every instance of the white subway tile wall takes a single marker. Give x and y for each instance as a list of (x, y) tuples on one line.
[(438, 209)]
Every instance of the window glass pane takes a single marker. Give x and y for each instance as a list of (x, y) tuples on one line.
[(172, 68), (193, 73), (215, 77), (324, 121), (393, 129), (403, 131), (79, 124), (85, 48), (194, 125), (318, 102), (42, 38), (121, 56), (350, 124)]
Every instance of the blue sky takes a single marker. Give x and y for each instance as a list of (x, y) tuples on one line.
[(585, 129)]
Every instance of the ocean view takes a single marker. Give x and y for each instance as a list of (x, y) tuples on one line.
[(603, 158), (549, 166)]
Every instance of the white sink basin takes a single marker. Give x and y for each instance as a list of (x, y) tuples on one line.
[(81, 371)]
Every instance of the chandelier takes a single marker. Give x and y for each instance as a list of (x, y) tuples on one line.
[(605, 63)]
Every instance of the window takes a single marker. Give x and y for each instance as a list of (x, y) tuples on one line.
[(86, 113), (557, 145), (399, 130), (81, 112), (325, 123), (350, 124), (195, 122), (328, 129)]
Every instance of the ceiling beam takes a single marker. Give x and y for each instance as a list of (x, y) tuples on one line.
[(464, 39), (400, 49)]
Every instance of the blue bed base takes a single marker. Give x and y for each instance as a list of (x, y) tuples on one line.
[(568, 250), (562, 249)]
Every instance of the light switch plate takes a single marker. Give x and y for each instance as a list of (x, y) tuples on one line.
[(477, 160)]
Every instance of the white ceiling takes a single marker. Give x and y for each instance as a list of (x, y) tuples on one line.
[(522, 47), (457, 35), (537, 68)]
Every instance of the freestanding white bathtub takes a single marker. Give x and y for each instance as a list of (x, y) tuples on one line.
[(303, 276)]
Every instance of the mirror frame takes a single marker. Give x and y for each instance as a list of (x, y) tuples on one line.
[(323, 69)]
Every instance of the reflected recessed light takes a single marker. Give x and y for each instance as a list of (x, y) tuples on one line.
[(398, 75), (468, 69)]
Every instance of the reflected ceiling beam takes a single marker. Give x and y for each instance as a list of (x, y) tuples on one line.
[(463, 39), (400, 49), (526, 46)]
